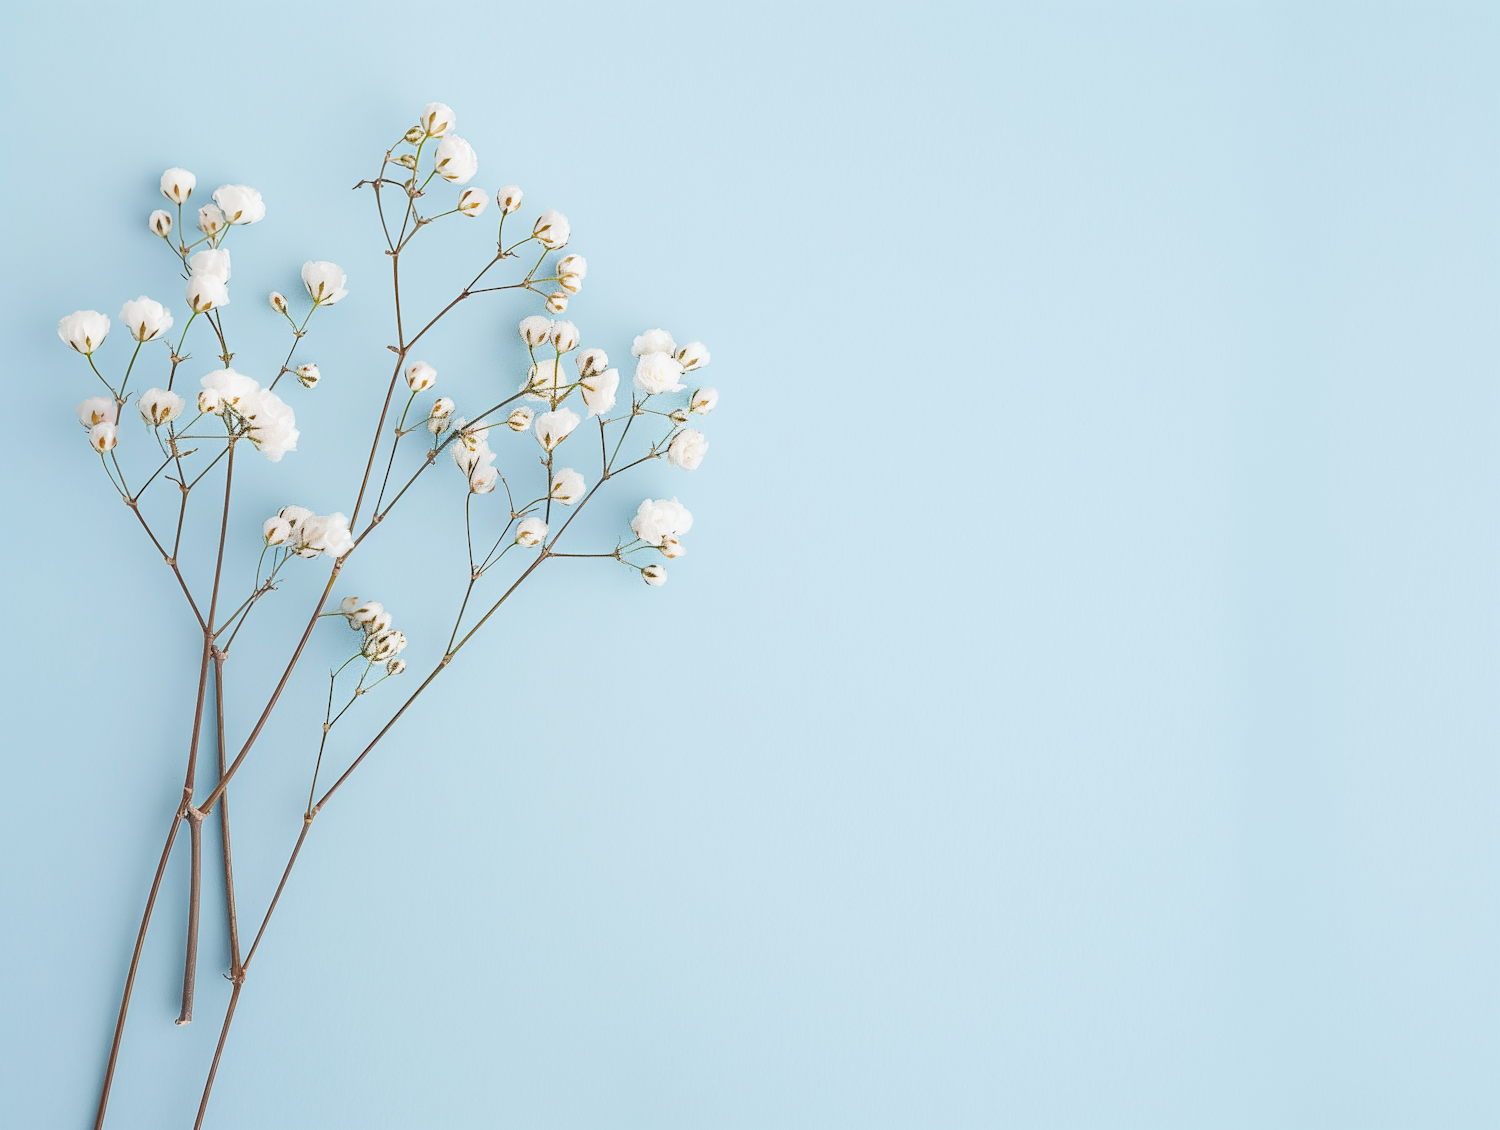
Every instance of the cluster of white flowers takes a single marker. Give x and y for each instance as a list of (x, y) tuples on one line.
[(381, 643), (307, 534), (271, 425), (472, 454), (662, 522)]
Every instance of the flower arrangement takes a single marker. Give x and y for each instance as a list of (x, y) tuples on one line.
[(190, 437)]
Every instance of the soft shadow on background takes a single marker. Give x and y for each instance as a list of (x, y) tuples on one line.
[(1076, 708)]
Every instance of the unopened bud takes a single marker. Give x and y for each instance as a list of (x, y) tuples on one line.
[(472, 201), (703, 401), (564, 336), (276, 530), (383, 645), (348, 605), (671, 547), (278, 302), (483, 480), (406, 161), (395, 667), (535, 330), (509, 198), (210, 402), (102, 437), (414, 135), (654, 574), (519, 420), (557, 301), (308, 375), (365, 613), (679, 416), (421, 376), (530, 532), (161, 223), (570, 283), (442, 406), (591, 362), (692, 356)]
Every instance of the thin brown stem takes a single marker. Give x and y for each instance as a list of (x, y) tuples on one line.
[(234, 925), (213, 1070), (195, 890)]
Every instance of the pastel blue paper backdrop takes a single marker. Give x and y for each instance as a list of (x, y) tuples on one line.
[(1077, 706)]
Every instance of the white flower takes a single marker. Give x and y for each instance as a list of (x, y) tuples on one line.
[(530, 532), (420, 376), (327, 534), (276, 530), (671, 547), (573, 265), (442, 408), (294, 514), (102, 437), (362, 615), (456, 161), (210, 219), (692, 356), (564, 336), (557, 302), (599, 391), (346, 608), (657, 372), (653, 341), (471, 453), (273, 426), (567, 486), (483, 480), (687, 450), (240, 203), (234, 389), (395, 667), (205, 293), (436, 119), (157, 406), (703, 401), (308, 375), (84, 330), (591, 361), (210, 403), (146, 320), (551, 229), (177, 185), (535, 330), (472, 201), (278, 302), (571, 284), (517, 421), (508, 199), (97, 410), (379, 624), (211, 261), (324, 281), (545, 380), (654, 574), (382, 645), (553, 427), (661, 518), (160, 222)]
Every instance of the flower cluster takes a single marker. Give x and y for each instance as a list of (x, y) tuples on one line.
[(268, 421), (307, 534), (381, 643)]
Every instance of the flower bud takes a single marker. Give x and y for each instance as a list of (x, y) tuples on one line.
[(278, 302), (348, 605), (573, 265), (383, 645), (557, 302), (308, 375), (687, 450), (509, 198), (157, 406), (395, 667), (551, 229), (654, 574), (567, 486), (471, 201), (421, 376), (364, 614), (210, 403), (276, 530), (678, 416), (97, 410), (102, 437), (591, 362), (535, 330), (379, 624), (177, 185), (438, 425), (160, 223), (483, 480), (564, 336), (441, 407), (703, 401), (570, 283), (671, 547), (210, 219), (554, 427), (455, 160), (692, 356), (436, 119), (414, 135), (519, 420), (406, 161), (530, 532), (205, 293)]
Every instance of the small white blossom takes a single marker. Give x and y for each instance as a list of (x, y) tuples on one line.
[(455, 160), (379, 624), (160, 222), (177, 185), (205, 293), (157, 406), (658, 519), (273, 427), (687, 450), (382, 645), (240, 203), (671, 547), (471, 453), (653, 341), (657, 372), (508, 199), (294, 514), (573, 265), (146, 320), (442, 408), (102, 437), (591, 361), (472, 201), (564, 336), (535, 330), (420, 376), (654, 574), (557, 302), (308, 375), (395, 667), (692, 356), (210, 403), (545, 380), (278, 302), (362, 615), (436, 119), (551, 229), (599, 390), (211, 261), (483, 480), (567, 486), (84, 330), (703, 401), (210, 219), (517, 421), (327, 534), (234, 389), (346, 608), (530, 532), (324, 281), (553, 427), (276, 530), (97, 410)]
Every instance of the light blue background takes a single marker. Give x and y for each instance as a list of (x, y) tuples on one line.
[(1077, 708)]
